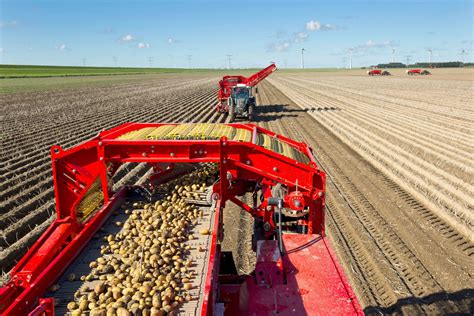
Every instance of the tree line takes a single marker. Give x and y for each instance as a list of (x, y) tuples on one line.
[(446, 64)]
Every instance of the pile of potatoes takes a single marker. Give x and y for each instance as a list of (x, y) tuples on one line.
[(189, 185), (145, 268)]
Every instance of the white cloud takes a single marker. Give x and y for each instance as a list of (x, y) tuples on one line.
[(171, 40), (1, 50), (313, 26), (278, 46), (143, 45), (284, 45), (374, 44), (370, 43), (62, 47), (300, 37), (318, 26), (127, 38), (328, 27), (281, 45)]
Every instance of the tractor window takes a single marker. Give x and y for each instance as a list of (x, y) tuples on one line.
[(241, 92)]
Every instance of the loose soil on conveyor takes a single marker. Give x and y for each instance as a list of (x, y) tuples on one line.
[(399, 256)]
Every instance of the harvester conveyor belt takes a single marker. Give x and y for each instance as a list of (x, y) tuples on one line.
[(200, 252), (208, 131)]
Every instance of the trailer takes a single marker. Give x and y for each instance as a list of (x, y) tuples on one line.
[(296, 271), (417, 71), (378, 72)]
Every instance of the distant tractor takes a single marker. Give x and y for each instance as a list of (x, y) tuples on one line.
[(237, 94), (378, 72), (418, 71)]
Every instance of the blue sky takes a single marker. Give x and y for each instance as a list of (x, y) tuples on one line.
[(71, 32)]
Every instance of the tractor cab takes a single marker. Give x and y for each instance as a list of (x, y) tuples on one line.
[(240, 96), (242, 101)]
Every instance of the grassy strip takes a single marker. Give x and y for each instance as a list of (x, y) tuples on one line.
[(18, 85), (32, 71), (26, 71)]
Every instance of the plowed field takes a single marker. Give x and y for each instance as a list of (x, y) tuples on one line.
[(397, 150)]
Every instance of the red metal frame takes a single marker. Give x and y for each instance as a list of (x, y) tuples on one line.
[(242, 164), (373, 72), (48, 258), (228, 82), (378, 72), (417, 71), (414, 71), (306, 280)]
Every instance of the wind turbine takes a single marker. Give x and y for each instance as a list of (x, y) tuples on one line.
[(302, 58), (189, 60), (408, 60), (431, 53), (393, 55), (350, 57), (463, 53)]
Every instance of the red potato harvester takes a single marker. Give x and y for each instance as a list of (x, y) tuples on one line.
[(417, 71), (378, 72), (237, 94), (296, 271)]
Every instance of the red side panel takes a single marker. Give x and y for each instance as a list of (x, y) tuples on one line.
[(315, 283)]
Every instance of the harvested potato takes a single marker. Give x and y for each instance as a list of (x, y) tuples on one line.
[(145, 268)]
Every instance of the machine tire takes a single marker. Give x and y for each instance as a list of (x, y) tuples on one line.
[(231, 112), (251, 112)]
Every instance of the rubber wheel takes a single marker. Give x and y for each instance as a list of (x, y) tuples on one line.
[(251, 112), (231, 112)]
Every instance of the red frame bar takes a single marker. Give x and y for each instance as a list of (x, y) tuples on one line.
[(31, 287), (76, 169)]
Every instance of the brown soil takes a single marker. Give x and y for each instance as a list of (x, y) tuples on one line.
[(399, 255)]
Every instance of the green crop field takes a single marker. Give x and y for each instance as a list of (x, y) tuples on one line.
[(26, 71), (30, 71), (24, 78)]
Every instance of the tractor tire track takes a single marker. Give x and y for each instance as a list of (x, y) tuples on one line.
[(380, 260), (20, 224)]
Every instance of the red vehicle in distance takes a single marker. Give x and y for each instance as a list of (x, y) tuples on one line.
[(378, 72), (417, 71)]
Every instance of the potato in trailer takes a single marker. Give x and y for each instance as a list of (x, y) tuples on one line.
[(296, 271)]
